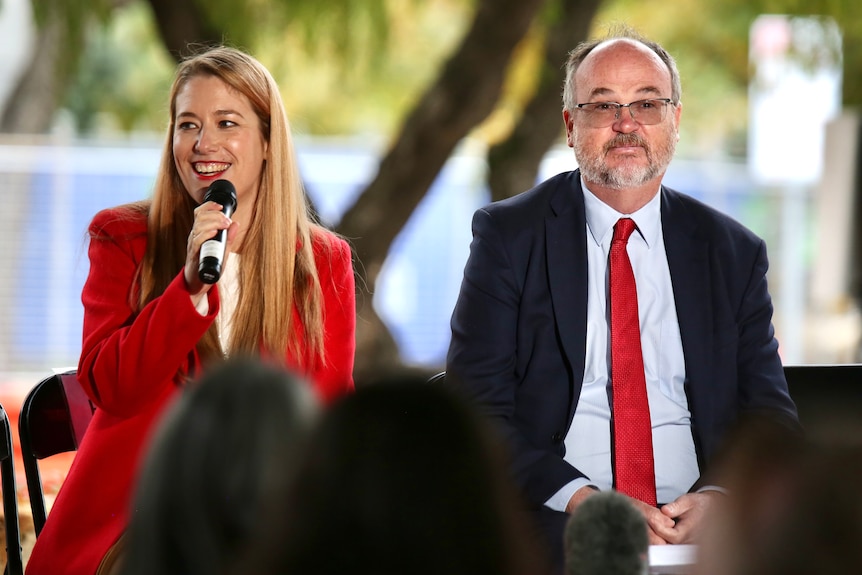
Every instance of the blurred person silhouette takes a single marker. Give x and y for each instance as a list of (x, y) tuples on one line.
[(401, 477), (794, 505), (817, 525), (606, 535), (613, 328), (228, 441), (286, 292)]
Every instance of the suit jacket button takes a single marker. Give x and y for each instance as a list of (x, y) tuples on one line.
[(558, 437)]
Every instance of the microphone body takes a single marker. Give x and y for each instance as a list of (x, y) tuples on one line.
[(212, 251), (606, 535)]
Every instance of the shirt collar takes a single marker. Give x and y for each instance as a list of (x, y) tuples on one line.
[(601, 218)]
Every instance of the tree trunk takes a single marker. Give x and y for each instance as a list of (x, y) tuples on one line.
[(514, 163), (462, 96), (33, 102), (183, 22)]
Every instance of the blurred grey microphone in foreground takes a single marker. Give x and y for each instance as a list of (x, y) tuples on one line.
[(606, 535)]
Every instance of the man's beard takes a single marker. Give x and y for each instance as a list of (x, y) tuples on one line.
[(595, 169)]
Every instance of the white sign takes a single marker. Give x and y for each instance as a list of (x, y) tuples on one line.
[(795, 90)]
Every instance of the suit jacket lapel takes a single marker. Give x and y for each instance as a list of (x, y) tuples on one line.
[(566, 247), (688, 260)]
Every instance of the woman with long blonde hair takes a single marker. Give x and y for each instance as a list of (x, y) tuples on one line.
[(286, 293)]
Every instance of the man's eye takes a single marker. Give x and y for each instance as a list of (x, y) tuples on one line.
[(605, 106)]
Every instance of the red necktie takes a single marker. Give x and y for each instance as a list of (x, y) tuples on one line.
[(634, 470)]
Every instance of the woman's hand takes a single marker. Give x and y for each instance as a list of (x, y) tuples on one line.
[(209, 219)]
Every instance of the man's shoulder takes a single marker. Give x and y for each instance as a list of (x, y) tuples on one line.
[(539, 199), (707, 220)]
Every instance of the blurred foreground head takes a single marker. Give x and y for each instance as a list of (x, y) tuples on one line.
[(401, 477), (606, 535), (794, 505), (231, 438)]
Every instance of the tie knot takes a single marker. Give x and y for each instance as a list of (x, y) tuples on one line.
[(623, 229)]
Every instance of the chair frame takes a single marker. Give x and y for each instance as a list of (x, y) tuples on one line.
[(826, 392), (44, 434), (14, 561)]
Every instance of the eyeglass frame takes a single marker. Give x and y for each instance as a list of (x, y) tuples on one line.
[(619, 109)]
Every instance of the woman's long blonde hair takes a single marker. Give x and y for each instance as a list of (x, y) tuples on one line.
[(278, 272)]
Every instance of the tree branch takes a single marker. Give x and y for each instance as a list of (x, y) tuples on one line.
[(514, 163), (462, 96)]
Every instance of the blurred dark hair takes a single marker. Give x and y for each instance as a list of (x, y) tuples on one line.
[(809, 519), (794, 505), (402, 477), (231, 437)]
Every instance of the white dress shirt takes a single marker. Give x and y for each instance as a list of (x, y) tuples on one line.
[(588, 441)]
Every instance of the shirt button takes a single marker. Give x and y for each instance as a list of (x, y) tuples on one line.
[(558, 437)]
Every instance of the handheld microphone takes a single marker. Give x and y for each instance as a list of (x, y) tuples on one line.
[(212, 251), (606, 534)]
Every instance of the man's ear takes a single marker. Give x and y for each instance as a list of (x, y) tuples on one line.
[(569, 121)]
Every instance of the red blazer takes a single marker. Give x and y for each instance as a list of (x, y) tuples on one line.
[(127, 366)]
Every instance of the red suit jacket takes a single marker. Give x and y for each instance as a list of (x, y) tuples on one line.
[(128, 365)]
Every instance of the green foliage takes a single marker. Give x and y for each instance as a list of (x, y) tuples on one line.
[(74, 16), (348, 40), (339, 28), (355, 66), (343, 24), (326, 92), (124, 77), (344, 83)]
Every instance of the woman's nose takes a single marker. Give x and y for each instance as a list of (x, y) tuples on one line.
[(206, 141)]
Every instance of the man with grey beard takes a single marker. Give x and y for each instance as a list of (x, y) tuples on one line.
[(586, 402)]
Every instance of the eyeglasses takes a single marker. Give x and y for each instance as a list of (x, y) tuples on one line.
[(644, 112)]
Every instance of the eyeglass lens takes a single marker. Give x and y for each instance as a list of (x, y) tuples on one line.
[(645, 112)]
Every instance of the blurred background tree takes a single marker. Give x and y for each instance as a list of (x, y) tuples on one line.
[(414, 77)]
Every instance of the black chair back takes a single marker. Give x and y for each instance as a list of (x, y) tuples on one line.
[(826, 392), (53, 419)]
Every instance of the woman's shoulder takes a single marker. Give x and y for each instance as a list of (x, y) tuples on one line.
[(326, 243), (125, 220), (332, 256)]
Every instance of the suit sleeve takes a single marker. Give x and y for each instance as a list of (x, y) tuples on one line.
[(129, 358), (482, 358), (762, 385), (742, 374)]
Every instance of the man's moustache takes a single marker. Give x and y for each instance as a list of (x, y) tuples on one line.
[(626, 140)]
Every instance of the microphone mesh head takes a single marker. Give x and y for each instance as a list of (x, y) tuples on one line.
[(606, 535), (222, 192)]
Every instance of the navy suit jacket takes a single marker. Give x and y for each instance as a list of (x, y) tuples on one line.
[(519, 327)]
